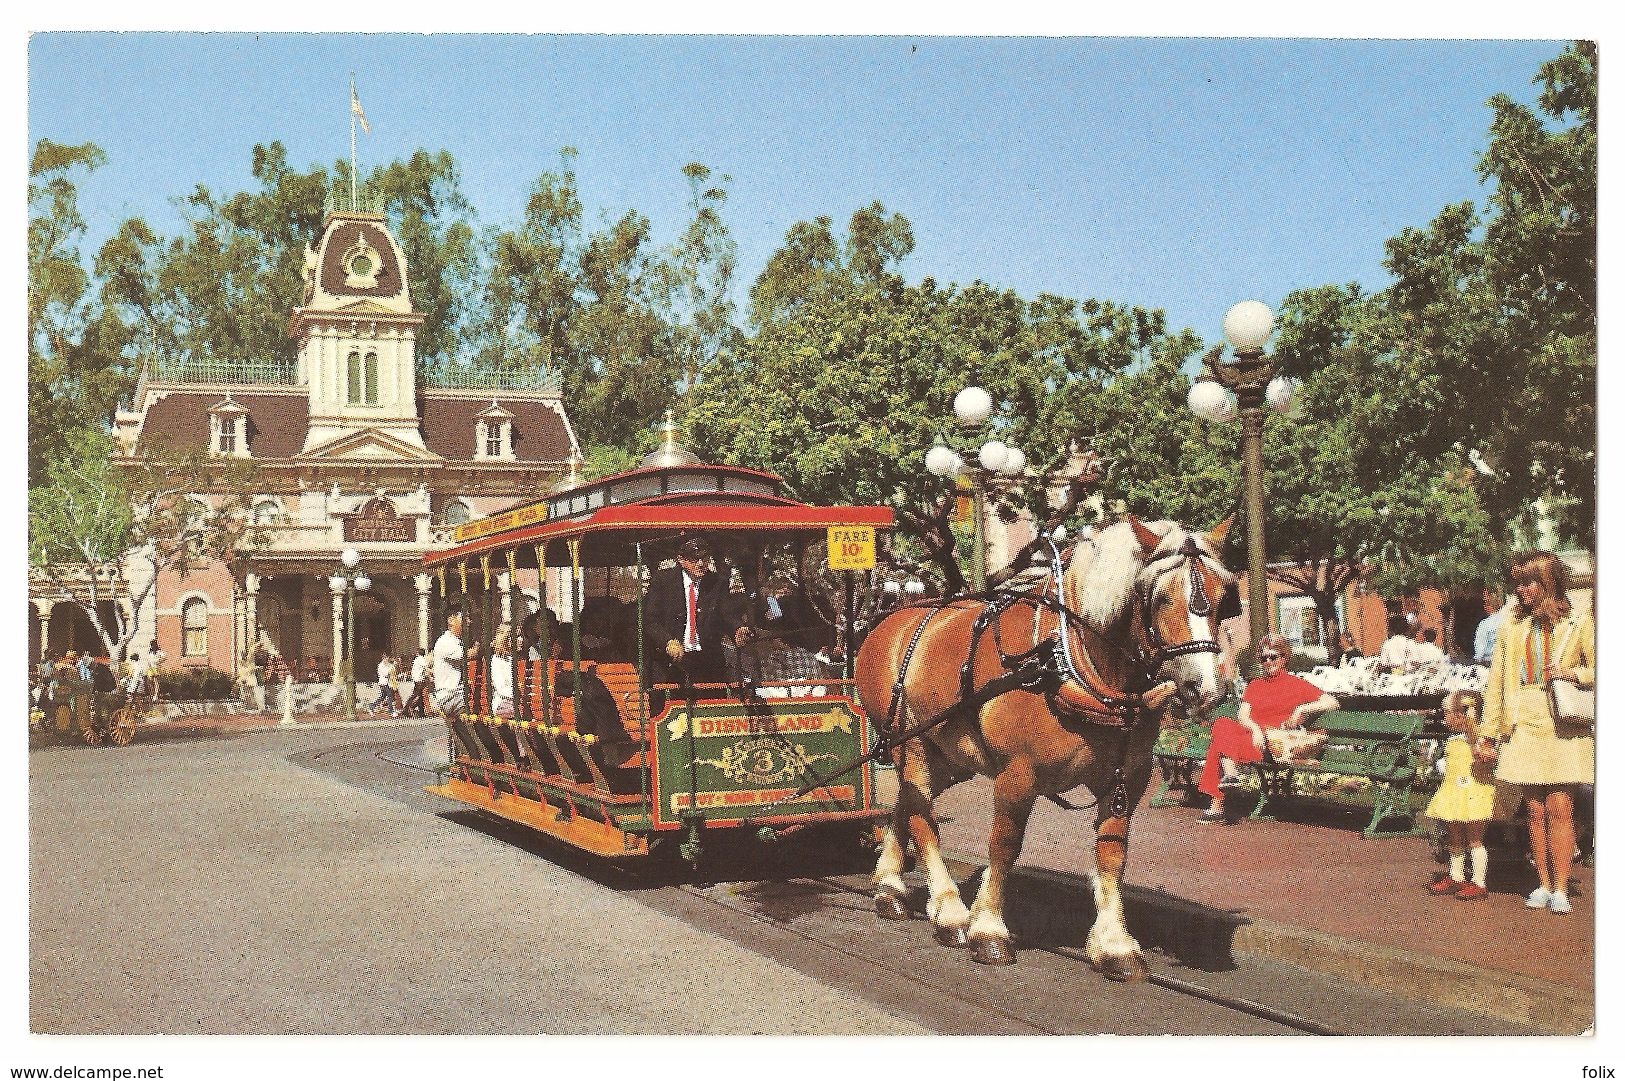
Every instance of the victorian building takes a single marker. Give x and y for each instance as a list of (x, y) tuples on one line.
[(353, 444)]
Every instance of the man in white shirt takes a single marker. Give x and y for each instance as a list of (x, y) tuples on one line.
[(1427, 651), (448, 666), (386, 686), (1397, 653)]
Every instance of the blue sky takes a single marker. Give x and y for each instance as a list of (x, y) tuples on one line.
[(1175, 173)]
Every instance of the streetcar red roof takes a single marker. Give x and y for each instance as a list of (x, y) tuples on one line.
[(689, 506)]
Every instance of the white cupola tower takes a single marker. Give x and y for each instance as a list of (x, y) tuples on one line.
[(357, 334)]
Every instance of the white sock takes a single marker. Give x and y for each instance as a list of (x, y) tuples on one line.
[(1481, 864), (1458, 865)]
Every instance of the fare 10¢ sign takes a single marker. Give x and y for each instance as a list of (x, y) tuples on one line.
[(851, 548)]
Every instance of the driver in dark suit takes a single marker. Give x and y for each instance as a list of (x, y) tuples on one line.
[(687, 613)]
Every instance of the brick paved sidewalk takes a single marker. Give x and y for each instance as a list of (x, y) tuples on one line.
[(1316, 872)]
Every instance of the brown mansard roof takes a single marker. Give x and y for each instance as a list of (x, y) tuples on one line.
[(277, 424), (448, 426)]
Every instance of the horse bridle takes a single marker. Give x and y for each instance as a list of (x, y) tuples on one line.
[(1161, 650)]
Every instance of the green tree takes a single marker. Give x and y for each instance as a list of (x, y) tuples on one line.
[(625, 322), (73, 381), (1349, 488), (1492, 315), (850, 375), (101, 529), (432, 222), (223, 289)]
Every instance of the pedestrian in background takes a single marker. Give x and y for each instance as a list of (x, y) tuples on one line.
[(1398, 651), (385, 698), (1484, 636), (1427, 651), (417, 704), (1465, 801), (1541, 638)]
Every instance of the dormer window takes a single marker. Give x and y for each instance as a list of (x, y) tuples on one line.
[(228, 429), (361, 378), (493, 434)]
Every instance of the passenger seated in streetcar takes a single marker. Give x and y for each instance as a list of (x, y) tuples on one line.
[(768, 659), (502, 673), (603, 630)]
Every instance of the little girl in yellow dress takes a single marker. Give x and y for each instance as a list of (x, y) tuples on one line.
[(1465, 802)]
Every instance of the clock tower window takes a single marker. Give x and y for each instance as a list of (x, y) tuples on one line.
[(361, 378)]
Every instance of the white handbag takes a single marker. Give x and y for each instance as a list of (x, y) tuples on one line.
[(1571, 703)]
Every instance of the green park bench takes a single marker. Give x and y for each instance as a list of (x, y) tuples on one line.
[(1379, 748), (1179, 751)]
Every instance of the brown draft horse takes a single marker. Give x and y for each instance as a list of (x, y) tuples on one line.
[(1059, 691)]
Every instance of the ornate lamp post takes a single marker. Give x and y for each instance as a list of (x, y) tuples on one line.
[(347, 579), (972, 407), (1244, 385)]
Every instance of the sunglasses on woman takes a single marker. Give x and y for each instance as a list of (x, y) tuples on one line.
[(1269, 656)]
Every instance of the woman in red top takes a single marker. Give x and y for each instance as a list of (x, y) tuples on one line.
[(1273, 699)]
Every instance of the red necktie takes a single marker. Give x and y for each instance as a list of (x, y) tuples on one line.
[(693, 617)]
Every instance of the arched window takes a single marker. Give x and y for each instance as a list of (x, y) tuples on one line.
[(457, 512), (195, 628), (372, 379), (266, 512), (352, 372)]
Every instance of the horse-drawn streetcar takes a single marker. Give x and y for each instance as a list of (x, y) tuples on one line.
[(1064, 684), (589, 727)]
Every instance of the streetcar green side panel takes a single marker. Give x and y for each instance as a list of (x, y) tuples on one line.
[(749, 758)]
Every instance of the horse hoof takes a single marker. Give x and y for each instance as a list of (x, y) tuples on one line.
[(889, 906), (1127, 969), (952, 937), (992, 951)]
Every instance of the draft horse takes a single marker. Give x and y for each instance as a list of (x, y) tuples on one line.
[(1042, 692)]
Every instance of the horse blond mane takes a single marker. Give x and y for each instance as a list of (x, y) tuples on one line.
[(1100, 578)]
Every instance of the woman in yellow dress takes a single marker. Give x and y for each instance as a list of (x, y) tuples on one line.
[(1541, 638), (1465, 801)]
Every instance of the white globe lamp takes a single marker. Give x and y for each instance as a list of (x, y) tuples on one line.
[(942, 462), (1210, 401), (350, 557), (1248, 325), (1015, 460), (993, 455), (972, 405), (1279, 393)]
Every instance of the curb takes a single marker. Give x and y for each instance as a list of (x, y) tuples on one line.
[(1206, 937), (1553, 1007)]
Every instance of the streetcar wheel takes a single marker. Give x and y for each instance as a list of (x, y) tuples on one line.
[(121, 726)]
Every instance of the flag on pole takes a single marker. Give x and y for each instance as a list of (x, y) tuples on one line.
[(355, 110)]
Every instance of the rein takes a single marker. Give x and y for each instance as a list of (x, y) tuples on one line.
[(1047, 666)]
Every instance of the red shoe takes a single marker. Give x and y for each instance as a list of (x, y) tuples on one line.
[(1444, 885), (1472, 891)]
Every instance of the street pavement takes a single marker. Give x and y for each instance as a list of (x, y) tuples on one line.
[(1312, 892), (389, 920)]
